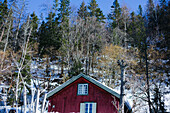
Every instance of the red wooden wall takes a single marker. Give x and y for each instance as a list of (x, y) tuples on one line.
[(67, 100)]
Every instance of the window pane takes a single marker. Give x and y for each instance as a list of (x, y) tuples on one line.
[(86, 108), (90, 109), (83, 89)]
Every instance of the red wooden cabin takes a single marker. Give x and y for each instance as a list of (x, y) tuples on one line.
[(83, 94)]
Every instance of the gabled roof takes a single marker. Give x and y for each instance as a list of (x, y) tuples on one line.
[(92, 80), (104, 87)]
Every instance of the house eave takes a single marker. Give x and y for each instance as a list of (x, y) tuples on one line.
[(104, 87)]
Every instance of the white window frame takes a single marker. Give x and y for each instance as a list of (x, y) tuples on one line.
[(83, 107), (82, 89)]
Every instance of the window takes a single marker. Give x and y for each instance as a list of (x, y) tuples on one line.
[(82, 89), (87, 107)]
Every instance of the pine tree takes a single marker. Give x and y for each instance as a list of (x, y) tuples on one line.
[(48, 43), (82, 11), (132, 28), (3, 10), (42, 39), (64, 12), (55, 5), (63, 19), (150, 17), (4, 18), (165, 21), (115, 14), (76, 69), (34, 22), (100, 16), (48, 36), (140, 10), (140, 29), (95, 11), (92, 7)]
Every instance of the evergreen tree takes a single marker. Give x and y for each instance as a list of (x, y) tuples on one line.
[(48, 44), (140, 10), (63, 19), (82, 11), (115, 14), (4, 19), (55, 5), (34, 22), (100, 16), (140, 30), (95, 11), (76, 69), (132, 28), (92, 7), (48, 39), (64, 12), (3, 10), (165, 22), (150, 17)]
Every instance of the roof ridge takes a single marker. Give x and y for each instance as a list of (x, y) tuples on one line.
[(99, 84)]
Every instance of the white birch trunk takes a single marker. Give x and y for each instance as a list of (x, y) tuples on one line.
[(45, 96), (37, 103), (16, 94), (32, 97), (25, 99)]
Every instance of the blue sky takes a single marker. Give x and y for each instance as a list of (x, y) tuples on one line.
[(36, 5)]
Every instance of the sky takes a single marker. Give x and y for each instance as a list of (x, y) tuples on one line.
[(38, 5)]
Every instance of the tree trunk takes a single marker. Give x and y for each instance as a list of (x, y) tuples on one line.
[(37, 103), (122, 67), (122, 90), (147, 77), (62, 65), (32, 97), (45, 96), (25, 99)]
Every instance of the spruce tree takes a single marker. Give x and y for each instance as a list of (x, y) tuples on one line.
[(63, 19), (3, 10), (100, 16), (55, 5), (132, 28), (95, 11), (92, 7), (64, 12), (150, 17), (42, 39), (140, 10), (34, 22), (115, 14), (82, 11), (140, 29), (48, 36), (3, 21)]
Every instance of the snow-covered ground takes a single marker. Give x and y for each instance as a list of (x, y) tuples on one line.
[(167, 99), (56, 69)]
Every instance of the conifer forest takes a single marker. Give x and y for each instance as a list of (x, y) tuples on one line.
[(39, 52)]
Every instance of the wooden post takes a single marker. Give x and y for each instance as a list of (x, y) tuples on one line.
[(122, 67)]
